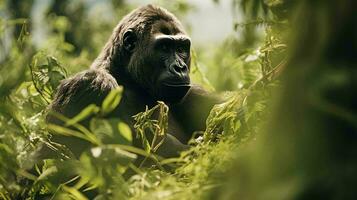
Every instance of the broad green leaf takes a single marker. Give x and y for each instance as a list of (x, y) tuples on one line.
[(112, 100), (86, 112), (125, 131)]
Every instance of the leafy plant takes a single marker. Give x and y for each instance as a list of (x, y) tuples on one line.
[(29, 75)]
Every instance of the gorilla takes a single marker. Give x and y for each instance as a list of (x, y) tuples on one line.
[(148, 54)]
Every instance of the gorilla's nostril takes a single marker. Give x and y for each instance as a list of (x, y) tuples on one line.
[(178, 69)]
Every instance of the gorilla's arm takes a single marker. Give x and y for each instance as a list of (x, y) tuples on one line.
[(91, 87), (191, 113)]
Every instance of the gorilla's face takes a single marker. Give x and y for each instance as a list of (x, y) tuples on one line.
[(165, 62)]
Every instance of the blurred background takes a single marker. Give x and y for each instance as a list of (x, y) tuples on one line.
[(287, 130)]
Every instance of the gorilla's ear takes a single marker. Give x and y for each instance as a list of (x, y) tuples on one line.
[(129, 40)]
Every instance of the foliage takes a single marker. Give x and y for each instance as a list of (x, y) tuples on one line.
[(248, 66)]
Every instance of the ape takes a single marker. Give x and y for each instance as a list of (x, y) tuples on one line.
[(149, 55)]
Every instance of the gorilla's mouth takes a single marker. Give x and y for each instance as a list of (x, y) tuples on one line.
[(183, 84)]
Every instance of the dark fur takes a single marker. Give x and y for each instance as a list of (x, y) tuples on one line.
[(117, 66)]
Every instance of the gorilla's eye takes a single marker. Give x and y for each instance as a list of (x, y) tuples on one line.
[(181, 50)]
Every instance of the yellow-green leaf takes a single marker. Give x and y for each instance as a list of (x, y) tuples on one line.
[(112, 100), (125, 131), (86, 112)]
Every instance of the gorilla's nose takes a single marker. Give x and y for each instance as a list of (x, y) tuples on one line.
[(179, 69)]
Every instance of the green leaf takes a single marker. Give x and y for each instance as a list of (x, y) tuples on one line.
[(69, 132), (125, 131), (52, 62), (112, 100), (146, 144), (85, 113), (101, 127), (55, 78), (111, 155), (76, 194), (47, 172)]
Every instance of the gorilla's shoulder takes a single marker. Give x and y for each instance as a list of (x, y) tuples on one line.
[(97, 79), (82, 89)]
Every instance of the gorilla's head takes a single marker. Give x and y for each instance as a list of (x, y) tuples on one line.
[(150, 51)]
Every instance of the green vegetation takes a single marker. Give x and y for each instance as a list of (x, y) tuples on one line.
[(287, 129)]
